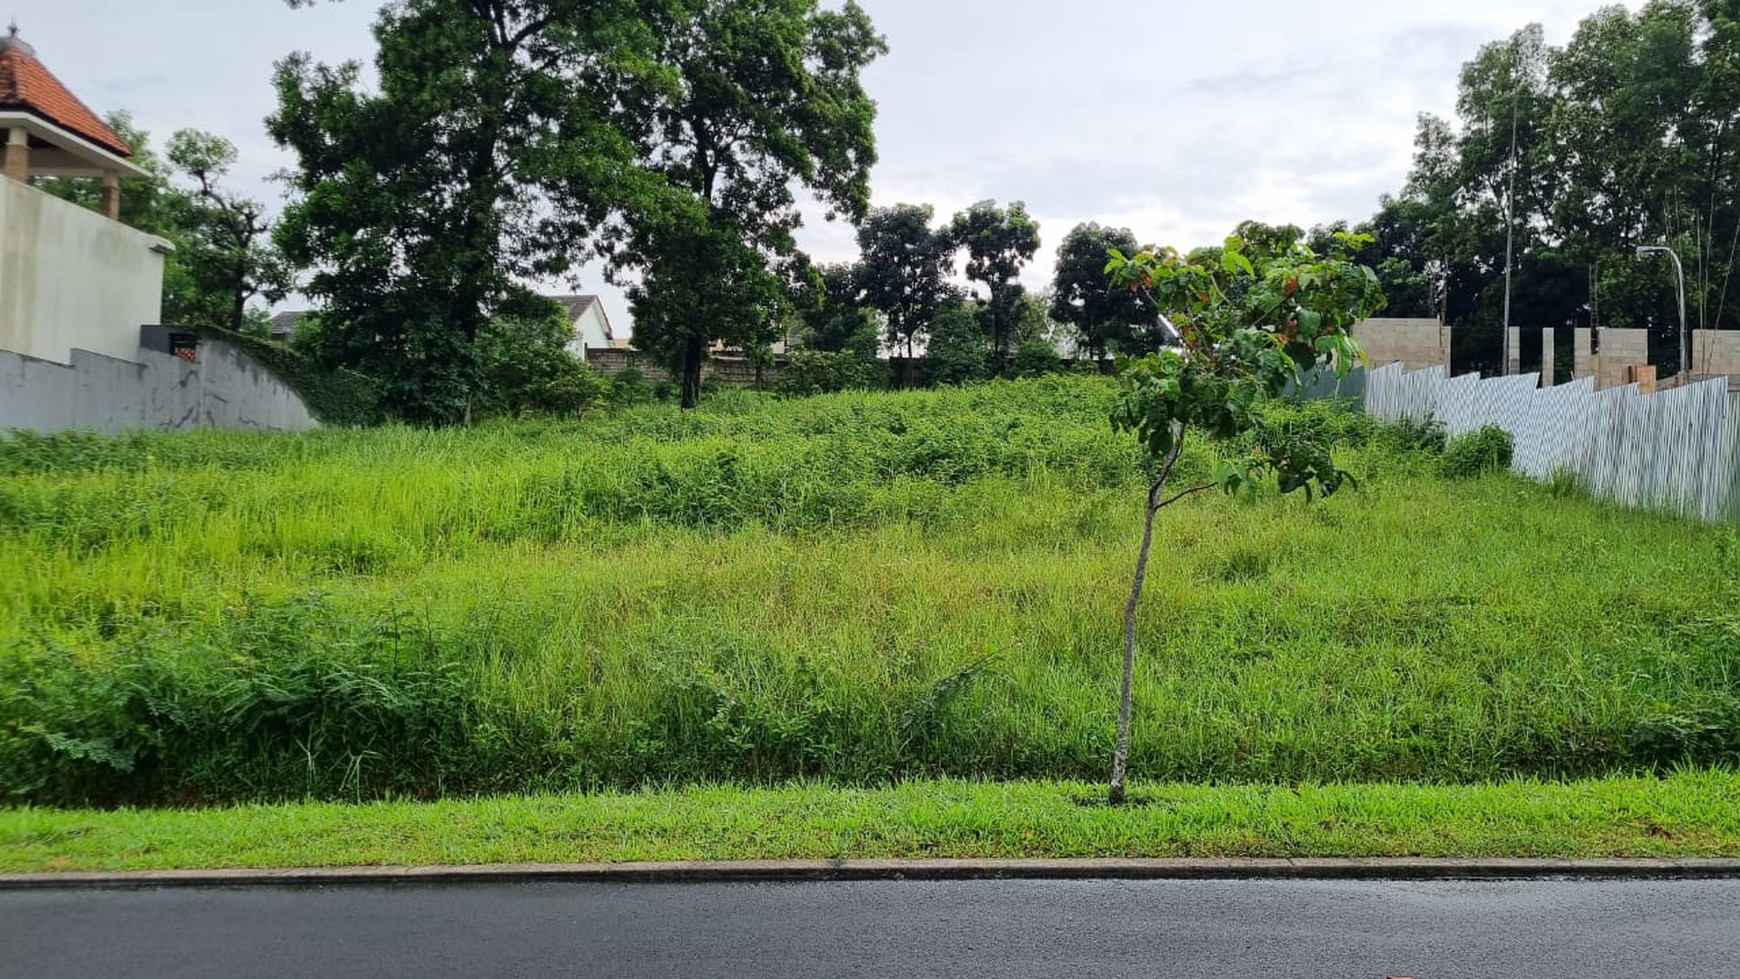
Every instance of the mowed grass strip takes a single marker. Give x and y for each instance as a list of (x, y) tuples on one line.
[(1687, 814)]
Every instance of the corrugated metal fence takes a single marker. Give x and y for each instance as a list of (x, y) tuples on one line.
[(1676, 450)]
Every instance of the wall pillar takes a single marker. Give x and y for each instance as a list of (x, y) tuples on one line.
[(1513, 362), (1547, 351), (111, 195), (1583, 354), (17, 163)]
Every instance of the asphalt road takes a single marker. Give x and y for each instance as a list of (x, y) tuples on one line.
[(1094, 929)]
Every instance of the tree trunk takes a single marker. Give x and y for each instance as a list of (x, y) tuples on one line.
[(1121, 756), (693, 356)]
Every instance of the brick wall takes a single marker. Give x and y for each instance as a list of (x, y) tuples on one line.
[(724, 371)]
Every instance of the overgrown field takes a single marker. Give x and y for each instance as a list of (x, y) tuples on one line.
[(858, 588)]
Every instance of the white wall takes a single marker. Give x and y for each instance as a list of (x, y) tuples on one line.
[(72, 279)]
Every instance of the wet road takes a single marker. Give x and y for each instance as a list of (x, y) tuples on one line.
[(1220, 929)]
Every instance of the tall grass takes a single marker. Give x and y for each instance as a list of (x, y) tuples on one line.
[(858, 588)]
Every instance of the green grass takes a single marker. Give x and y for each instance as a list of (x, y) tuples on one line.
[(862, 589), (1685, 815)]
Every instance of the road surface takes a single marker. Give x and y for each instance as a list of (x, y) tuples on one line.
[(1092, 929)]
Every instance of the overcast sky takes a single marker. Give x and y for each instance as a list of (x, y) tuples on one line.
[(1175, 120)]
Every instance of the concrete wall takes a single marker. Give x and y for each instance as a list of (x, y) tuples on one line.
[(1414, 343), (71, 279), (224, 389)]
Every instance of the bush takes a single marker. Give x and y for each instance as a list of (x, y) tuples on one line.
[(1487, 450), (1035, 358), (526, 369), (956, 352), (1428, 436), (811, 372), (629, 387)]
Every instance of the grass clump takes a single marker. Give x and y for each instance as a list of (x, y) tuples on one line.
[(1487, 449)]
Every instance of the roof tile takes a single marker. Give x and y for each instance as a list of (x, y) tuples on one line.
[(26, 85)]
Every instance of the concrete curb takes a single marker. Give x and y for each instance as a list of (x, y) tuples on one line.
[(794, 871)]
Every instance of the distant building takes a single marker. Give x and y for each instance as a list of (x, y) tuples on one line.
[(284, 324), (585, 313), (591, 324)]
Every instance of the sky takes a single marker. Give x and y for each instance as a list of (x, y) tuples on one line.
[(1175, 120)]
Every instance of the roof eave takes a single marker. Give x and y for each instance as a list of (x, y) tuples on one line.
[(99, 158)]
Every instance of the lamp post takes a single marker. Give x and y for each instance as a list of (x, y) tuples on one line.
[(1680, 277)]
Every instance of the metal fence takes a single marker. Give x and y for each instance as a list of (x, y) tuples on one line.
[(1675, 450)]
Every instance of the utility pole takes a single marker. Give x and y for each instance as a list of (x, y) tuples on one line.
[(1509, 226)]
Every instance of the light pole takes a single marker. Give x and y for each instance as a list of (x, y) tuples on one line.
[(1680, 276)]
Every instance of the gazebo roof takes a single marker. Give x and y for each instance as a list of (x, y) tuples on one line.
[(26, 86)]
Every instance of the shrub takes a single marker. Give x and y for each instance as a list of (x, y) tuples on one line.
[(956, 353), (629, 387), (525, 369), (1405, 435), (1486, 450), (812, 372), (1035, 358)]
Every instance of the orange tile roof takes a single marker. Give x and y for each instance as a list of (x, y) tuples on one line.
[(26, 85)]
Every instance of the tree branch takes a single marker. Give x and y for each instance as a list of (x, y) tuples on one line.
[(1205, 487)]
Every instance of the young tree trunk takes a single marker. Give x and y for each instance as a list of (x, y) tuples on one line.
[(1121, 755), (1156, 500), (693, 356)]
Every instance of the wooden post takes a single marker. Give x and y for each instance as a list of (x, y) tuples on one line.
[(1642, 375)]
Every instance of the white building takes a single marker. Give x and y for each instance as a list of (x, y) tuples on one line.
[(591, 323), (70, 278)]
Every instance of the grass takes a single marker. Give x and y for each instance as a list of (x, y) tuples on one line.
[(862, 590), (1687, 814)]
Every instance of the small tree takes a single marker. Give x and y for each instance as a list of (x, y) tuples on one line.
[(1246, 329)]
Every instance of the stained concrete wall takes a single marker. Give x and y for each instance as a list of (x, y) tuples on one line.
[(71, 279), (1415, 343), (224, 389)]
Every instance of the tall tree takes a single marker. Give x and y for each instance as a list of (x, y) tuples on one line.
[(739, 103), (903, 270), (999, 243), (480, 158), (1103, 319)]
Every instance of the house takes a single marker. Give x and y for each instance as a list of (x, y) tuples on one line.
[(591, 323), (70, 278), (283, 326)]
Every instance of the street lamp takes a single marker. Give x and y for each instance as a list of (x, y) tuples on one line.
[(1680, 274)]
